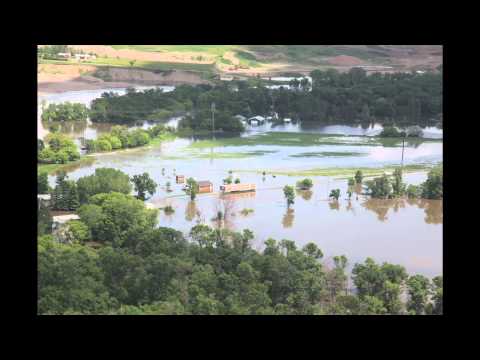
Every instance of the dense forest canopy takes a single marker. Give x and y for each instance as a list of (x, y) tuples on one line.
[(354, 96)]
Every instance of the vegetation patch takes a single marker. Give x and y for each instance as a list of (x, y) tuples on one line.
[(342, 173), (327, 154), (52, 169)]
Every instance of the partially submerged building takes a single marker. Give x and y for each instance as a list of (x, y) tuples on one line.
[(205, 186), (180, 179)]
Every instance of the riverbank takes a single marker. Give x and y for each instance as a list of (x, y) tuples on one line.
[(57, 78), (52, 169)]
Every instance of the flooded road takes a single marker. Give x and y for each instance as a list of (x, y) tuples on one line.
[(397, 231)]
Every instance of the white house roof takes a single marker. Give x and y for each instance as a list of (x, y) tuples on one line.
[(44, 196), (258, 117), (61, 219)]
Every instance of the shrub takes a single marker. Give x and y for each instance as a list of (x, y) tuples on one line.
[(305, 184), (390, 131), (414, 191), (104, 145), (359, 177)]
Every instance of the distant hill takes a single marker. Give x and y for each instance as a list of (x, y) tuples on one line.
[(249, 59)]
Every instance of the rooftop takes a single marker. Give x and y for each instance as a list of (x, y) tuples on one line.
[(44, 196), (64, 218), (204, 183)]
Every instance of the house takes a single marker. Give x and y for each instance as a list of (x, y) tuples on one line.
[(237, 188), (60, 220), (255, 120), (64, 55), (180, 179), (44, 199), (205, 186), (84, 56), (287, 120), (226, 78)]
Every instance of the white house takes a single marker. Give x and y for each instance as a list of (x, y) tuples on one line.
[(60, 220), (287, 120)]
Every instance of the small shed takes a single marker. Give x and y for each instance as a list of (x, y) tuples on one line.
[(180, 179), (205, 186)]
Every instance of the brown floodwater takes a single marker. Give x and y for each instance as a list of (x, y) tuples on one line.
[(400, 231)]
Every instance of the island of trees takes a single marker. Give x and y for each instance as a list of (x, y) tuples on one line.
[(352, 97)]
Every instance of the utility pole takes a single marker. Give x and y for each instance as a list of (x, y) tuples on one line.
[(213, 117)]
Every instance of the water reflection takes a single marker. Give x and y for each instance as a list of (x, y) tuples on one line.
[(191, 211), (334, 205), (305, 194), (433, 208), (288, 218)]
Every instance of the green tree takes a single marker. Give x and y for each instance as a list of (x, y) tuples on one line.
[(418, 290), (116, 218), (42, 182), (69, 280), (358, 177), (104, 180), (289, 193), (380, 187), (398, 187), (191, 188), (432, 188), (305, 184), (143, 184), (335, 193)]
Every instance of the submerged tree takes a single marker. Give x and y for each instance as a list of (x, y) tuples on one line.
[(289, 193), (143, 184), (191, 188)]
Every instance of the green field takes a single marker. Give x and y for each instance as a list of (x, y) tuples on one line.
[(146, 65), (342, 173), (305, 139)]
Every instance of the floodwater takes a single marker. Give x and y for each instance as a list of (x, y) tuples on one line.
[(406, 232)]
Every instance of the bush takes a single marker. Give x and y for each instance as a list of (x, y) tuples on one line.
[(305, 184), (390, 131), (169, 209), (351, 182), (79, 231), (413, 191), (104, 145), (380, 187), (432, 188), (359, 177)]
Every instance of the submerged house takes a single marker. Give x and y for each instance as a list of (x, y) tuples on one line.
[(205, 186)]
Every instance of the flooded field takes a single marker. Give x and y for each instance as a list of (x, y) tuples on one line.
[(398, 231)]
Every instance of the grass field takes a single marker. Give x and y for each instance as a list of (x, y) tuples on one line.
[(147, 65), (305, 139), (342, 173)]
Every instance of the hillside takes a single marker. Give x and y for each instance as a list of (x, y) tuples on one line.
[(171, 64)]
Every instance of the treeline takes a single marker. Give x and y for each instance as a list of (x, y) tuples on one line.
[(120, 137), (125, 264), (69, 194), (404, 98), (385, 187), (66, 111)]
